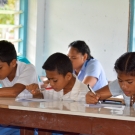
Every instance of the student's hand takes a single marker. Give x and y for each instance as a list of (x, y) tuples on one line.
[(33, 89), (45, 84), (91, 98)]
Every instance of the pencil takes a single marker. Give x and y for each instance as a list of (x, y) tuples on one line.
[(93, 92)]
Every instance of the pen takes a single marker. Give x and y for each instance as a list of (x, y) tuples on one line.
[(41, 89), (93, 92)]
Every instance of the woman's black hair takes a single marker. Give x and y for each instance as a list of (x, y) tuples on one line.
[(126, 63), (81, 47), (58, 62)]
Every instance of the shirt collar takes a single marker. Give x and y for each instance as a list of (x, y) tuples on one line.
[(84, 65), (17, 70), (75, 89)]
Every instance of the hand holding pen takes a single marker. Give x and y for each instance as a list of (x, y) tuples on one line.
[(34, 88), (92, 98)]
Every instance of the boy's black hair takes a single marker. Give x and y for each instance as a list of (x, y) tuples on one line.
[(59, 62), (81, 47), (126, 63), (7, 51)]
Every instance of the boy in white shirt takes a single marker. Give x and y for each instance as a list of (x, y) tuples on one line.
[(14, 76), (65, 86)]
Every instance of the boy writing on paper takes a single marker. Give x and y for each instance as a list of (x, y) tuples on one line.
[(65, 85), (14, 76)]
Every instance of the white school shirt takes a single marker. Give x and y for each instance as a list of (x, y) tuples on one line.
[(116, 90), (77, 93), (25, 74)]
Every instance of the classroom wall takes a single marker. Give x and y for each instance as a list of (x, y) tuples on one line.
[(103, 24), (32, 29), (35, 42)]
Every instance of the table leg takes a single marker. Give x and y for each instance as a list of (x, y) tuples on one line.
[(26, 131), (44, 132)]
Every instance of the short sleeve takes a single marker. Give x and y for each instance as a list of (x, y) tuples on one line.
[(115, 88), (28, 75), (93, 69)]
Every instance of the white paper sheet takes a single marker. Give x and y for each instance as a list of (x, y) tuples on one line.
[(32, 99), (102, 105), (93, 105)]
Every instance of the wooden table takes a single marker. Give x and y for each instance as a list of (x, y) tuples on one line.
[(67, 117)]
